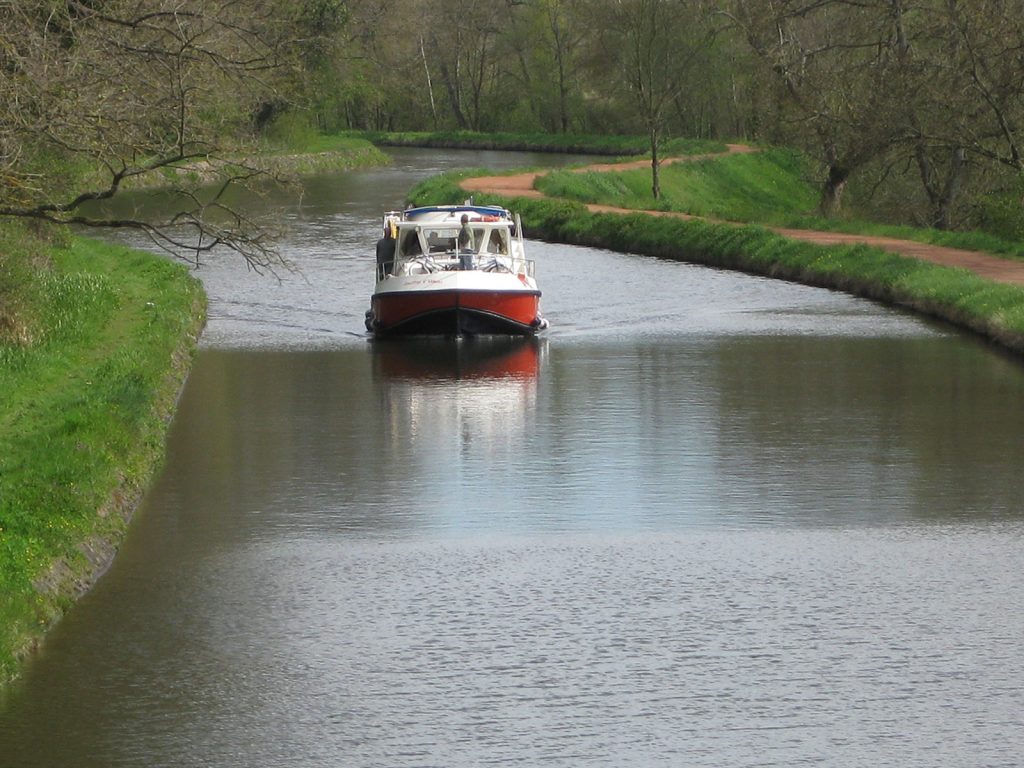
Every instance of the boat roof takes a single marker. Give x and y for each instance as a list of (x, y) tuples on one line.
[(442, 213)]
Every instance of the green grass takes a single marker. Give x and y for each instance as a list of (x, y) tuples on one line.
[(327, 160), (308, 151), (993, 310), (770, 187), (292, 152), (324, 143), (969, 241), (764, 187), (89, 377)]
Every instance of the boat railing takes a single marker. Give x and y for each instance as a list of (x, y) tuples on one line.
[(518, 266)]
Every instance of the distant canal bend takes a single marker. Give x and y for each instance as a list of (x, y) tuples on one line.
[(708, 519)]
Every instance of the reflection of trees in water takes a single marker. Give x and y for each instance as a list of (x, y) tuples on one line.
[(785, 430), (281, 439), (871, 427)]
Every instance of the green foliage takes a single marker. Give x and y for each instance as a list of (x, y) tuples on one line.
[(83, 413), (292, 130), (320, 17), (1002, 213), (679, 147), (613, 146)]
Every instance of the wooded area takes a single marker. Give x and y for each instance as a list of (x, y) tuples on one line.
[(915, 105)]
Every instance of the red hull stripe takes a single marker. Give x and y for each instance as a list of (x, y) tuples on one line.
[(390, 309)]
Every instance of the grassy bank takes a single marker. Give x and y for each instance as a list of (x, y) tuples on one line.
[(611, 146), (95, 343), (771, 187), (294, 152), (993, 310), (767, 187), (303, 152)]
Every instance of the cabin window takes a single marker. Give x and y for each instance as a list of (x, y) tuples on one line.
[(410, 245), (497, 242)]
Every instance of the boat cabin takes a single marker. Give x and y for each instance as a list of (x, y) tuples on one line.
[(426, 240)]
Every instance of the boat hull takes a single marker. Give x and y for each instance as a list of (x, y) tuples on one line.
[(459, 312)]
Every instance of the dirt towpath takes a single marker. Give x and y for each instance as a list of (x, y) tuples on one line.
[(985, 265)]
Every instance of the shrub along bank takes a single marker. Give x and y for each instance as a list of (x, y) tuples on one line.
[(994, 310), (95, 343), (569, 143)]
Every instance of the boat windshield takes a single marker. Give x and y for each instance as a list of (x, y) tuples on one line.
[(431, 247), (414, 242)]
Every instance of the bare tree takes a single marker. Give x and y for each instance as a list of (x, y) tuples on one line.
[(98, 96), (460, 42), (651, 45), (545, 39), (835, 64), (985, 51)]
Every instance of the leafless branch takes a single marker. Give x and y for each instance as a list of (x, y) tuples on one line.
[(96, 97)]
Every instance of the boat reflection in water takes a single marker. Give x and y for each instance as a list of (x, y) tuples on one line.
[(429, 358), (444, 395)]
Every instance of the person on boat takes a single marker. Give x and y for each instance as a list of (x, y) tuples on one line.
[(467, 240), (386, 248), (466, 243)]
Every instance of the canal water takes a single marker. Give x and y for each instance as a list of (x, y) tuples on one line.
[(707, 520)]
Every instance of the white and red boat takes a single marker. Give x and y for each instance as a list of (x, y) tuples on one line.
[(429, 284)]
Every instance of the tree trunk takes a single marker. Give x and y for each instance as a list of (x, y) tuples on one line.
[(454, 97), (942, 199), (655, 176), (943, 217), (563, 96), (430, 85), (832, 192)]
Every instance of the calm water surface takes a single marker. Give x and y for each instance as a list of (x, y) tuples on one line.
[(708, 519)]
